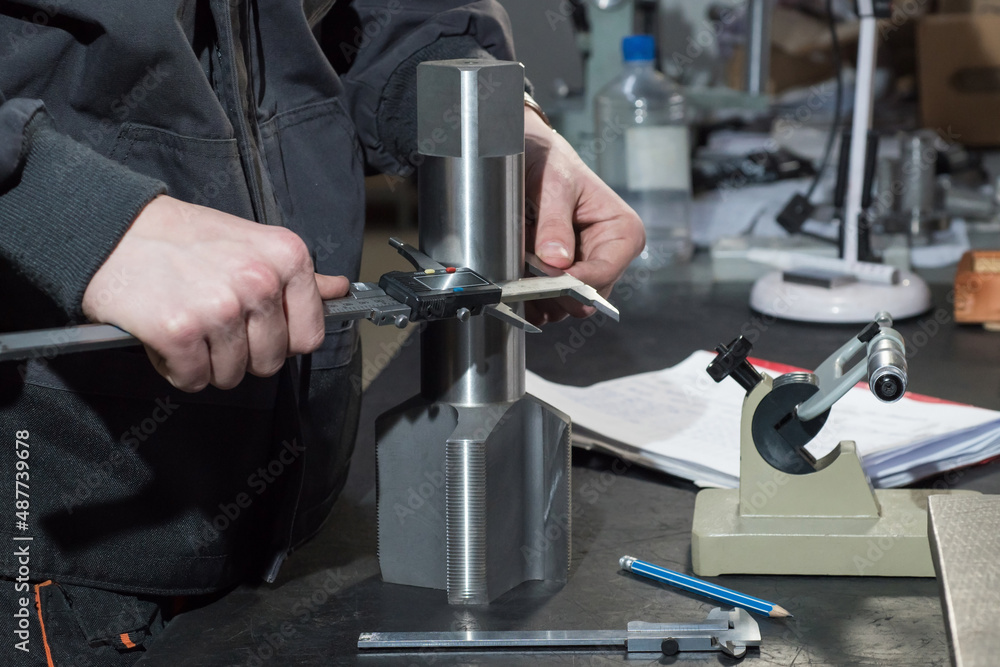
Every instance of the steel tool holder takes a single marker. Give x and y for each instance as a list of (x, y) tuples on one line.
[(473, 474), (793, 513)]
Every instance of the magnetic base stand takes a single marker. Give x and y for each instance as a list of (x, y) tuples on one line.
[(828, 522), (853, 303)]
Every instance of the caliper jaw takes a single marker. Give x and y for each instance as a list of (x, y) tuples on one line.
[(419, 260), (549, 282), (730, 632)]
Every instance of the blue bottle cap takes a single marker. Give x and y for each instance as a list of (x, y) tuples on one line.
[(638, 47)]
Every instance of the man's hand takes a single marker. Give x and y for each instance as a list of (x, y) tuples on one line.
[(211, 296), (574, 221)]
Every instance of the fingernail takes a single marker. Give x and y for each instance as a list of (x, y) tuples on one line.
[(554, 249)]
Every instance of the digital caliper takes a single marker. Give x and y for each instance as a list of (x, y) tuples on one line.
[(432, 292)]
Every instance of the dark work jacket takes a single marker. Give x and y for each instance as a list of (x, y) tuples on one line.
[(132, 485)]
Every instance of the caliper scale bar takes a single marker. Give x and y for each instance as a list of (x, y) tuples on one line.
[(730, 632), (363, 301)]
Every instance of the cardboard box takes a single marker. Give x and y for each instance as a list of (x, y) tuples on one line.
[(786, 71), (958, 59), (800, 51), (977, 288), (969, 6)]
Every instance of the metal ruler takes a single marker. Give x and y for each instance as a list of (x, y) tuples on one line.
[(730, 632)]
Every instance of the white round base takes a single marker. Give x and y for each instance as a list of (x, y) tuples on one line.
[(855, 303)]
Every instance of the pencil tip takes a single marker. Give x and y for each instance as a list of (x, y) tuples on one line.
[(779, 612)]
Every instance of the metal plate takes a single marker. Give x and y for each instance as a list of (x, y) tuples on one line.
[(965, 546)]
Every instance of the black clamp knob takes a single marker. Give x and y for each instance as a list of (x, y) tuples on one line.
[(732, 361)]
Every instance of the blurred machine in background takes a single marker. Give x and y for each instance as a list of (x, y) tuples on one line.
[(771, 87), (572, 48)]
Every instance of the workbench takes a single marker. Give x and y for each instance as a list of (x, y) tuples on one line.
[(330, 591)]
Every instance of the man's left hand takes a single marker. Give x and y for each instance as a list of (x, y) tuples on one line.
[(574, 221)]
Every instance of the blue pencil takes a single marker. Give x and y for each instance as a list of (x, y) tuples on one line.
[(679, 580)]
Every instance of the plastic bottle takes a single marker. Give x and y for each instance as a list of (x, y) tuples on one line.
[(642, 149)]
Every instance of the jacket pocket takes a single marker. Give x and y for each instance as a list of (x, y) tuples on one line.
[(201, 171), (316, 167)]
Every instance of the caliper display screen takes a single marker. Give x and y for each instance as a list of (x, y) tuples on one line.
[(447, 281)]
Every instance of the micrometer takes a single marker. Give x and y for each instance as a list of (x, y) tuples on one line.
[(797, 407)]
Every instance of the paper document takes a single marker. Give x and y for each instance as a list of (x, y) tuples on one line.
[(680, 421)]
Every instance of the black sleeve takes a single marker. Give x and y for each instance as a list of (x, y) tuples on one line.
[(376, 46), (63, 207)]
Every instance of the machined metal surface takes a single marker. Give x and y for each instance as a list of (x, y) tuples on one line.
[(965, 542), (465, 515), (471, 211), (887, 370), (730, 632), (473, 474), (473, 499), (473, 218)]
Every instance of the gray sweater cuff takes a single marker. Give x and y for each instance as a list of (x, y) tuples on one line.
[(65, 210)]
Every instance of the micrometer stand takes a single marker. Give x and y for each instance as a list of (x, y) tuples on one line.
[(829, 521), (729, 632)]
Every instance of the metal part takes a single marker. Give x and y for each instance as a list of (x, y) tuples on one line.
[(505, 313), (968, 203), (494, 462), (916, 177), (526, 289), (418, 259), (730, 632), (885, 368), (472, 193), (964, 533), (758, 46), (50, 342)]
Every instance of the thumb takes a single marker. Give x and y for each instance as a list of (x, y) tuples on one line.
[(332, 287), (555, 238)]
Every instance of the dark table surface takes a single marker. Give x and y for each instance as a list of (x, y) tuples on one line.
[(330, 590)]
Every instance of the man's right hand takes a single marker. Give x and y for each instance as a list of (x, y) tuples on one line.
[(211, 296)]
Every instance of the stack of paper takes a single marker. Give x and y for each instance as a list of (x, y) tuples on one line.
[(678, 420)]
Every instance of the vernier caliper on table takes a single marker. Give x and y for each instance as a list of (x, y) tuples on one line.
[(728, 631), (433, 292)]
